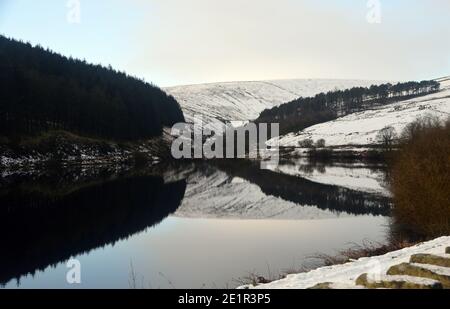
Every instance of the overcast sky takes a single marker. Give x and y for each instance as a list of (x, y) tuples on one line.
[(170, 42)]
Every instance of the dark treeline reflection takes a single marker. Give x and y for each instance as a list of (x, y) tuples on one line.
[(305, 192), (45, 220), (47, 217)]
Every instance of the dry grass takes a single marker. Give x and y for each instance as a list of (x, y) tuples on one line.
[(253, 278), (357, 251)]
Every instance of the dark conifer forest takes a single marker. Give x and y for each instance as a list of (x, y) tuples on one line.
[(41, 90), (305, 112)]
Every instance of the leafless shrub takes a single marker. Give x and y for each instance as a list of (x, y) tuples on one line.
[(420, 178), (417, 127)]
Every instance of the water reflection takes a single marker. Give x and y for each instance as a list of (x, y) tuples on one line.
[(242, 190), (48, 217)]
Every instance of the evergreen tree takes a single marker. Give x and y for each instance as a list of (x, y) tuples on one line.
[(41, 90)]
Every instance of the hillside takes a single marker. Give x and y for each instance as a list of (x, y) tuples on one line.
[(361, 128), (59, 109), (42, 91), (244, 101), (305, 112)]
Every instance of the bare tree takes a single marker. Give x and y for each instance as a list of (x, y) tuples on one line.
[(387, 136)]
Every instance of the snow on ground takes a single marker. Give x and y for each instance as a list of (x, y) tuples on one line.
[(243, 101), (218, 195), (362, 128), (352, 177), (346, 274)]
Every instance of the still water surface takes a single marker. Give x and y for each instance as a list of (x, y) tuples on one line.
[(189, 226)]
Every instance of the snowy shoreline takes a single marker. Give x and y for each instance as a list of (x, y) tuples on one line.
[(344, 276)]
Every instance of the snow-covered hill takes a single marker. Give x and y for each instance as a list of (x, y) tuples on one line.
[(243, 101), (362, 128)]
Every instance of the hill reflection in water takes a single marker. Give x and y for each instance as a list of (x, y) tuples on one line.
[(48, 217)]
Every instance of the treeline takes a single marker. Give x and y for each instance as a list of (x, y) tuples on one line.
[(41, 90), (305, 112)]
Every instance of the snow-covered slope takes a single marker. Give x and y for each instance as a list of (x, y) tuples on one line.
[(345, 275), (362, 128), (243, 101)]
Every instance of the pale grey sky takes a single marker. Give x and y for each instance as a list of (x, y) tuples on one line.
[(171, 42)]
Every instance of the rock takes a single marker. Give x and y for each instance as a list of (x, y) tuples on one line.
[(334, 286), (262, 280), (424, 271), (397, 282), (322, 286), (430, 259), (447, 250)]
